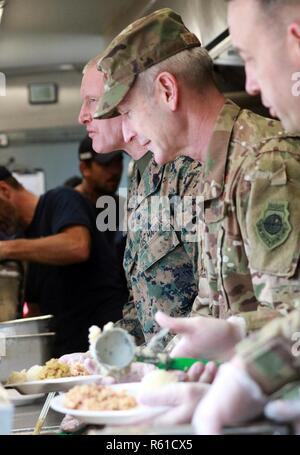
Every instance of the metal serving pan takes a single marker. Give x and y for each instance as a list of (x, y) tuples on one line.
[(26, 326), (24, 351)]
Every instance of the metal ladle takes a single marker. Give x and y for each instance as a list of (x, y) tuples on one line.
[(115, 350)]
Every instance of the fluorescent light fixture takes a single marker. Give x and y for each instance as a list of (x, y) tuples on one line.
[(66, 67), (2, 5)]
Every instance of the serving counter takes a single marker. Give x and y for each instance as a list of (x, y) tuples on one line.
[(26, 417)]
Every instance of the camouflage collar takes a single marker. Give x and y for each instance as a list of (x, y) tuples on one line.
[(150, 181), (215, 163), (143, 162)]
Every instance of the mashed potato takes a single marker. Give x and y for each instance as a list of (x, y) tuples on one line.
[(17, 377), (94, 333), (33, 374), (157, 379)]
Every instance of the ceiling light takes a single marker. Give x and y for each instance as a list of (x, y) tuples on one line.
[(66, 67), (2, 5)]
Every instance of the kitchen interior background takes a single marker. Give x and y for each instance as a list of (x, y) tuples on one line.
[(42, 41)]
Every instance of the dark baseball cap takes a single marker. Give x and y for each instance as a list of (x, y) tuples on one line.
[(86, 152), (4, 173)]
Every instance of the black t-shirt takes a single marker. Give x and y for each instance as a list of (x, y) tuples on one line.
[(117, 238), (78, 295)]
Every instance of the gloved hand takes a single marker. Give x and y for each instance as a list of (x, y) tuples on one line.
[(137, 371), (204, 374), (197, 373), (202, 337), (69, 359), (285, 411), (233, 398), (83, 358), (70, 424), (181, 397)]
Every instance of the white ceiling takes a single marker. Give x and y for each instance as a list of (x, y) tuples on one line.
[(37, 36)]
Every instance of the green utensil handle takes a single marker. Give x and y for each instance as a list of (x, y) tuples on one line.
[(179, 363)]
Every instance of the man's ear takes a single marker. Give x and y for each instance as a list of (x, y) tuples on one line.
[(294, 43), (5, 190), (166, 85)]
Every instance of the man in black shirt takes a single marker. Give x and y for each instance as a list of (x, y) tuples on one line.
[(72, 272), (101, 175)]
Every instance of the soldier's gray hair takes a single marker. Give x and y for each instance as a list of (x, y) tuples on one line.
[(267, 5), (275, 12), (91, 63), (193, 66), (272, 3)]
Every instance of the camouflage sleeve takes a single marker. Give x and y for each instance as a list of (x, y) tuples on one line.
[(189, 182), (188, 177), (267, 206), (130, 321), (255, 320), (272, 355)]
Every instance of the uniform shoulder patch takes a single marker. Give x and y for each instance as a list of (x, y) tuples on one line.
[(273, 228)]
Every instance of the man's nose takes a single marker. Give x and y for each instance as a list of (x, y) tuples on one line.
[(84, 116), (128, 132), (252, 86)]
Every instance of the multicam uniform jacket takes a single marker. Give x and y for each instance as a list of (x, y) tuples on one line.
[(249, 233), (160, 260), (272, 356)]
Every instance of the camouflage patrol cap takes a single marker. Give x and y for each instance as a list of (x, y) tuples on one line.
[(142, 44)]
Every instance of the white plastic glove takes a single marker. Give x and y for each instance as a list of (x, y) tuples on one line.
[(75, 357), (137, 371), (233, 398), (197, 373), (202, 373), (84, 358), (285, 411), (181, 397), (70, 424), (202, 337)]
